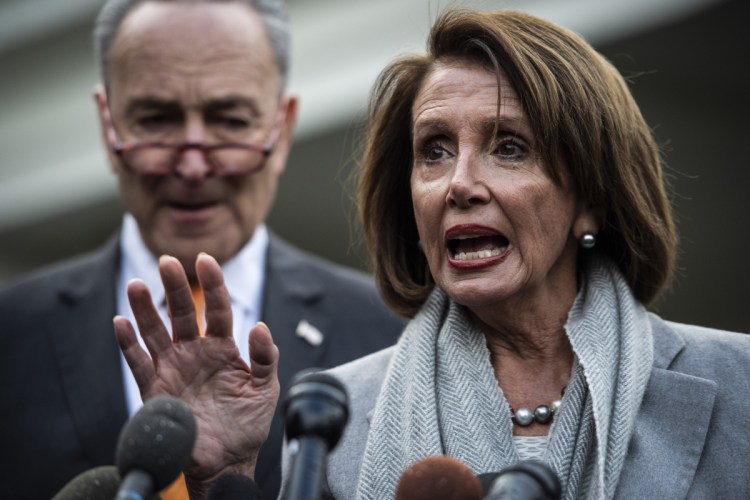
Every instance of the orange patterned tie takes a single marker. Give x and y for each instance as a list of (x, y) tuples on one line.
[(200, 307), (178, 490)]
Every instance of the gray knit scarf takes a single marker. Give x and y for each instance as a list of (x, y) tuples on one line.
[(440, 395)]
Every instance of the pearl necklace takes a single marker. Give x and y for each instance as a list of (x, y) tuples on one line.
[(542, 414)]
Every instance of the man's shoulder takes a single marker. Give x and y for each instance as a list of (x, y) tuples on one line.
[(345, 300), (74, 272), (287, 257), (335, 286)]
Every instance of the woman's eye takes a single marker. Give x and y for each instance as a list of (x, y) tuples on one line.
[(510, 149), (434, 153)]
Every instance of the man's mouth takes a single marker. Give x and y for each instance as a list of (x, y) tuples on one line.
[(191, 206), (464, 248)]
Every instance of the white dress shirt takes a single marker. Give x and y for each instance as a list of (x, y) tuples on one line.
[(244, 275)]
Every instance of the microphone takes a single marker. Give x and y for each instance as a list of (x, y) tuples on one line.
[(154, 446), (316, 410), (438, 476), (100, 483), (234, 487), (527, 480)]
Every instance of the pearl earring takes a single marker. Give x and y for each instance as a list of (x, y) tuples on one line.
[(588, 240)]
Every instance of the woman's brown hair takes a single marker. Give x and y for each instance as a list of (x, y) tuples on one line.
[(589, 127)]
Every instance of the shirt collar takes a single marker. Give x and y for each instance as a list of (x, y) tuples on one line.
[(244, 273), (138, 261)]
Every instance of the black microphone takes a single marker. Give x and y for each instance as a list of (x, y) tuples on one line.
[(438, 476), (526, 480), (154, 446), (316, 409), (234, 487), (100, 483)]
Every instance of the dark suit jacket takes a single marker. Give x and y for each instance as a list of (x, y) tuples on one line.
[(60, 374), (691, 437)]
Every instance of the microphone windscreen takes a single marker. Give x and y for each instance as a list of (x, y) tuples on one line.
[(99, 483), (486, 481), (158, 440), (316, 404), (234, 487), (526, 480), (438, 476)]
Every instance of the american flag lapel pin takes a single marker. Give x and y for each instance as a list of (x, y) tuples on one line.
[(309, 333)]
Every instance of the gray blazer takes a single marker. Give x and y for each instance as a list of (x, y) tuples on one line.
[(692, 434), (61, 385)]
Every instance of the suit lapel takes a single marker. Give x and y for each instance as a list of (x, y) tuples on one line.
[(671, 427), (88, 360), (290, 296)]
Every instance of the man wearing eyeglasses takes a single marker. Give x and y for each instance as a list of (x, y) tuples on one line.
[(197, 125)]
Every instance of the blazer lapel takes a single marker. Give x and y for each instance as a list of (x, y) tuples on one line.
[(671, 427), (88, 359)]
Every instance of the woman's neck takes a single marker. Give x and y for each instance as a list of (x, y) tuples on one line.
[(532, 359)]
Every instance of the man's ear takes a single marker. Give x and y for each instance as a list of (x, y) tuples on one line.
[(106, 131), (289, 103)]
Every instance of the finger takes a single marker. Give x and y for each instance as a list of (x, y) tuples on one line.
[(264, 355), (218, 302), (149, 322), (179, 299), (139, 362)]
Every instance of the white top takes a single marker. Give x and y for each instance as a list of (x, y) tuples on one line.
[(244, 275), (531, 447)]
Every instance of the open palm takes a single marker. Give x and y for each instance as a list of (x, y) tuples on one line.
[(233, 403)]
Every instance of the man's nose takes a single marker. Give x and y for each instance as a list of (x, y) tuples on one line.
[(192, 162)]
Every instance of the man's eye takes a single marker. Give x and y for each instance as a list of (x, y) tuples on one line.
[(156, 120), (232, 122)]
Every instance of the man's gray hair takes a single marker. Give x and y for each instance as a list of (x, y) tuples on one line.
[(275, 20)]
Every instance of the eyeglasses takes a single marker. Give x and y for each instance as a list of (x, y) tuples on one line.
[(225, 159), (155, 158)]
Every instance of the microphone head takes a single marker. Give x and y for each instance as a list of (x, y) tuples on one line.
[(316, 404), (234, 487), (99, 483), (438, 476), (486, 480), (158, 440), (527, 480)]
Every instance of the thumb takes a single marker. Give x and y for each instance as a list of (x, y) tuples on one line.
[(264, 355)]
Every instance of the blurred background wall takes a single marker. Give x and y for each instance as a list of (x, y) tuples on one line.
[(687, 61)]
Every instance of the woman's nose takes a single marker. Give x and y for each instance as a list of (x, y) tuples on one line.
[(467, 186)]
